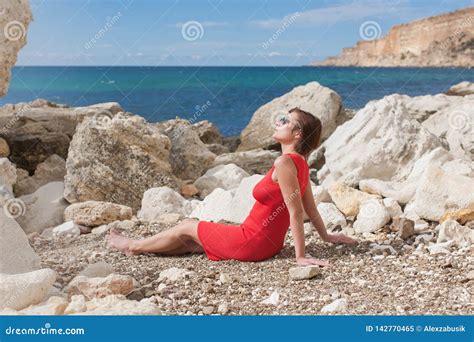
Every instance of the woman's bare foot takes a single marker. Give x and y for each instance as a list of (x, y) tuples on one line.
[(118, 241)]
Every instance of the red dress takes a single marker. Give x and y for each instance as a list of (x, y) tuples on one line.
[(262, 234)]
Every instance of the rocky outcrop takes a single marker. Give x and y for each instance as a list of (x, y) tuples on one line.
[(189, 157), (14, 21), (256, 161), (320, 101), (117, 162), (461, 89), (53, 169), (382, 141), (222, 176), (438, 41), (39, 129)]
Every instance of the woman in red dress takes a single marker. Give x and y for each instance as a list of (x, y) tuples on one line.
[(282, 197)]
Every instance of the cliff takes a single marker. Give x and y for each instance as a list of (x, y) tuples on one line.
[(438, 41)]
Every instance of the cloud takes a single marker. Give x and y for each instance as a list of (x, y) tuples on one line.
[(338, 13)]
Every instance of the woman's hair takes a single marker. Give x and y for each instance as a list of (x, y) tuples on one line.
[(311, 128)]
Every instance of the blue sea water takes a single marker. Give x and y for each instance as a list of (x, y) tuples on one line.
[(227, 96)]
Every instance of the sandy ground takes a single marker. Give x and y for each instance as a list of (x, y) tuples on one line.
[(402, 284)]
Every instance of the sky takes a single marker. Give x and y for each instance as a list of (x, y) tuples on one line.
[(210, 32)]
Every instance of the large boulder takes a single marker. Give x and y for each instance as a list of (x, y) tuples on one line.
[(189, 157), (117, 162), (17, 256), (256, 161), (320, 101), (208, 132), (230, 205), (39, 129), (95, 213), (53, 169), (404, 191), (455, 126), (43, 209), (440, 192), (160, 201), (17, 291), (14, 21), (221, 176), (382, 141), (348, 200)]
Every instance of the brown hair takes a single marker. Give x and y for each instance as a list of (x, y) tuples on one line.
[(311, 128)]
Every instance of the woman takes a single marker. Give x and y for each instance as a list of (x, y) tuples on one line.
[(281, 197)]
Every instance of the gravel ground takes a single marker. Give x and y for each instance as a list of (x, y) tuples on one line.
[(406, 283)]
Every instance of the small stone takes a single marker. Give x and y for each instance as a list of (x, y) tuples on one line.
[(305, 272), (338, 305), (96, 213), (208, 310), (99, 287), (224, 278), (174, 274), (470, 275), (223, 309), (99, 269), (273, 299), (68, 228), (405, 227)]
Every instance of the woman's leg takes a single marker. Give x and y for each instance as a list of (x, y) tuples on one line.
[(180, 239)]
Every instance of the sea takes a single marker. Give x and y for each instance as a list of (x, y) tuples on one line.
[(226, 96)]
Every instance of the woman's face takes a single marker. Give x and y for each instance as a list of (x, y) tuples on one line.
[(286, 128)]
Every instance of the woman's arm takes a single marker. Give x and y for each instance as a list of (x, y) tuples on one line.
[(313, 214)]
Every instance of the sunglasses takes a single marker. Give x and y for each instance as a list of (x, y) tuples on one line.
[(285, 119)]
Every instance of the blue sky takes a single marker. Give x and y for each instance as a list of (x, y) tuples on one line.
[(216, 32)]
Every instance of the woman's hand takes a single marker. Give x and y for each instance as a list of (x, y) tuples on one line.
[(303, 261), (340, 238)]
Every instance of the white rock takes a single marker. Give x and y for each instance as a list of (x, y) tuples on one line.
[(304, 272), (393, 207), (77, 305), (348, 200), (441, 248), (338, 305), (274, 299), (372, 216), (17, 256), (232, 205), (119, 305), (159, 201), (174, 274), (17, 291), (54, 305), (221, 176), (381, 141), (331, 215), (439, 192), (68, 228), (451, 230), (44, 208), (461, 89)]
